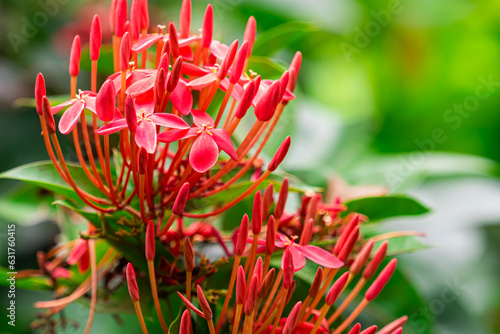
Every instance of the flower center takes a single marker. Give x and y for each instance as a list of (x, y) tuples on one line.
[(205, 128), (143, 117)]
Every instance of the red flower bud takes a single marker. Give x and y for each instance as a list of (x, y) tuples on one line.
[(181, 199), (346, 233), (185, 326), (106, 101), (307, 232), (336, 289), (318, 279), (228, 60), (205, 307), (266, 284), (375, 262), (280, 205), (252, 295), (142, 161), (40, 92), (133, 289), (95, 39), (242, 236), (270, 235), (287, 266), (112, 16), (150, 241), (258, 269), (174, 41), (279, 155), (394, 325), (130, 113), (290, 292), (382, 279), (264, 110), (74, 58), (349, 245), (283, 84), (188, 255), (361, 258), (258, 80), (47, 115), (267, 200), (250, 33), (175, 74), (257, 213), (190, 305), (121, 18), (355, 329), (239, 63), (165, 59), (241, 286), (398, 331), (144, 15), (207, 27), (292, 319), (125, 52), (294, 70), (370, 330), (185, 18), (246, 100), (159, 87), (135, 19)]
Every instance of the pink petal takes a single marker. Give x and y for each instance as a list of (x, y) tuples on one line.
[(90, 103), (200, 118), (112, 127), (145, 43), (299, 261), (203, 81), (186, 52), (174, 135), (145, 102), (218, 49), (77, 251), (70, 118), (181, 98), (320, 256), (237, 92), (283, 238), (60, 272), (169, 121), (145, 136), (59, 107), (204, 153), (224, 142), (193, 70), (141, 86), (186, 41)]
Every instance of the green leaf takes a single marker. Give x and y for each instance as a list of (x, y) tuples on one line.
[(378, 208), (44, 175), (28, 282), (272, 40), (403, 245), (30, 102)]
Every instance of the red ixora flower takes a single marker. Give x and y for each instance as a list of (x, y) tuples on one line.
[(83, 100), (205, 150), (147, 120), (313, 253)]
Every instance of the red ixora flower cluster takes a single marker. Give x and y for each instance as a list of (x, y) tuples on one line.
[(173, 103)]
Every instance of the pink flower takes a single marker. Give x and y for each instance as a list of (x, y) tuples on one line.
[(313, 253), (83, 100), (205, 150), (80, 254), (147, 121)]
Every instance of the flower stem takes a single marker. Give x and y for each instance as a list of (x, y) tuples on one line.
[(138, 311), (154, 293), (351, 317)]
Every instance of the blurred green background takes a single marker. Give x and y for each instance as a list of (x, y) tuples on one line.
[(403, 94)]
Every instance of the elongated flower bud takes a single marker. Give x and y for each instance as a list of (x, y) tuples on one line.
[(346, 233), (125, 52), (307, 232), (284, 84), (205, 307), (279, 155), (174, 41), (246, 100), (266, 283), (250, 33), (228, 60), (150, 241), (133, 289), (258, 269), (280, 205), (294, 70), (318, 279), (112, 15), (291, 290), (241, 286), (382, 279), (174, 76), (135, 19), (47, 115), (185, 18), (74, 58), (370, 330), (242, 236), (264, 110), (292, 319), (257, 213), (130, 113), (270, 235), (388, 329), (287, 265), (142, 161), (95, 39), (188, 255), (361, 258), (40, 92), (239, 63), (267, 200), (144, 15), (252, 295), (121, 18), (336, 289), (349, 245), (355, 329), (181, 199), (185, 326), (375, 262), (165, 59), (159, 86), (207, 27), (106, 101)]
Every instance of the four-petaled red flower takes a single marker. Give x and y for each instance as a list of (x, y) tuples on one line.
[(83, 100), (205, 150), (147, 120)]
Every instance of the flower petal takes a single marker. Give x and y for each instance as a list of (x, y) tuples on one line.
[(70, 118), (59, 107), (224, 142), (299, 261), (145, 136), (181, 98), (169, 121), (90, 103), (172, 135), (112, 127), (145, 43), (320, 256), (203, 81), (204, 153), (218, 49), (200, 118), (141, 86)]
